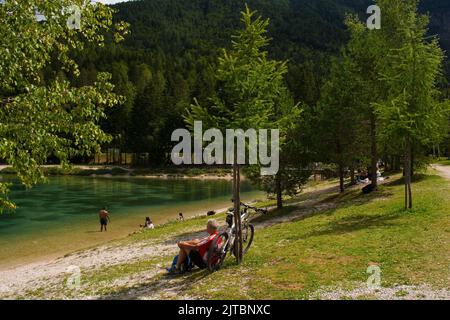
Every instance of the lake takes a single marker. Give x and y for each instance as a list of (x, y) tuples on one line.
[(62, 215)]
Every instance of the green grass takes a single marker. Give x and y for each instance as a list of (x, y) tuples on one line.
[(334, 248), (444, 162)]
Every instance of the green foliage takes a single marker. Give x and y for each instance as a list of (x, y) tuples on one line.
[(342, 113), (249, 83), (42, 117), (411, 72), (294, 154), (182, 39)]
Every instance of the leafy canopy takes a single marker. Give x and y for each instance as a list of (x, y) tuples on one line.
[(249, 83), (49, 117)]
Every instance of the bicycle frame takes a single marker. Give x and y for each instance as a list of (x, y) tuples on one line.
[(231, 231)]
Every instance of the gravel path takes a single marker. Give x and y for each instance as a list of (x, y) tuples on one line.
[(400, 292), (18, 281)]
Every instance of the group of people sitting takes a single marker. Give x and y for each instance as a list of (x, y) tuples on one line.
[(366, 178), (105, 218)]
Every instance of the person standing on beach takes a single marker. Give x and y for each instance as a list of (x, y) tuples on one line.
[(104, 218)]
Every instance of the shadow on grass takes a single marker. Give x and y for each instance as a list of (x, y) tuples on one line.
[(164, 286), (325, 206), (286, 211), (416, 178), (355, 223), (169, 286)]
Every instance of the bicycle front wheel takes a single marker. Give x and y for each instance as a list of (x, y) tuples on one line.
[(217, 252), (248, 232)]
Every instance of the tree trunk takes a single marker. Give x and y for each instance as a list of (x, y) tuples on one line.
[(397, 163), (279, 191), (407, 173), (352, 175), (237, 211), (374, 151), (341, 178)]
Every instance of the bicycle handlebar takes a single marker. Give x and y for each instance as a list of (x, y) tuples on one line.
[(263, 211)]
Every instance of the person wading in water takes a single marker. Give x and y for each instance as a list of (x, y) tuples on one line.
[(104, 218)]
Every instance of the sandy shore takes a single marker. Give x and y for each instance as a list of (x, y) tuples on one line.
[(49, 256), (20, 281)]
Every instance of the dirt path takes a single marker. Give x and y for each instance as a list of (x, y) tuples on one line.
[(444, 171)]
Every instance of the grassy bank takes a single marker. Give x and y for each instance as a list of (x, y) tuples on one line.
[(310, 254), (444, 162), (334, 248)]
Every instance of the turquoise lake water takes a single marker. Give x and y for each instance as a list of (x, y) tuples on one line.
[(65, 210)]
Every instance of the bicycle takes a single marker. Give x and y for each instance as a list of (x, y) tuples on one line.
[(224, 242)]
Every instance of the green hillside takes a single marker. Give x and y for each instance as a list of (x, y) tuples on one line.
[(168, 58)]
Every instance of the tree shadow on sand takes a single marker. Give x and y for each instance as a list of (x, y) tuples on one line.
[(162, 286)]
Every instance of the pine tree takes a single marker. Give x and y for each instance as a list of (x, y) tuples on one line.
[(249, 84), (341, 117), (411, 114)]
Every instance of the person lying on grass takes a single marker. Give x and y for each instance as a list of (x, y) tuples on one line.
[(196, 251)]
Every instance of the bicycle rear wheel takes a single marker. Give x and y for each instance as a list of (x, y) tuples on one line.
[(217, 252)]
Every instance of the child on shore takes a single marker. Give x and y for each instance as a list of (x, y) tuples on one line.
[(148, 224)]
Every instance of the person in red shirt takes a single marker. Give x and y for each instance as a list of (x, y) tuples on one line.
[(197, 250)]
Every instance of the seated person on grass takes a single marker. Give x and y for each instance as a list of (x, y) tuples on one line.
[(197, 250)]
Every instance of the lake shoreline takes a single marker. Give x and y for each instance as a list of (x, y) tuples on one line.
[(111, 171), (24, 251), (27, 263)]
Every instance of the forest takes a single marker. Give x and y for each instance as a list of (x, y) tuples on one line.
[(170, 55), (349, 100)]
